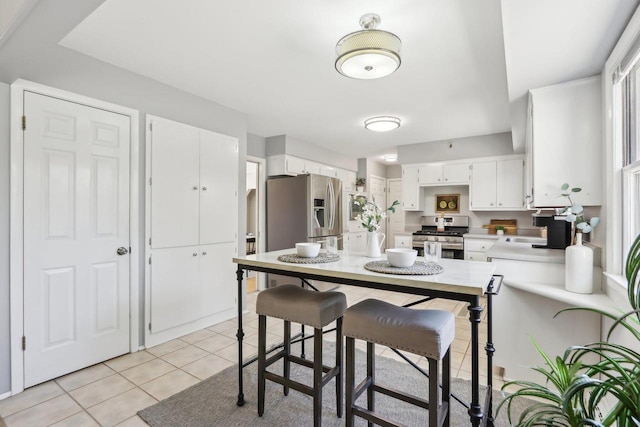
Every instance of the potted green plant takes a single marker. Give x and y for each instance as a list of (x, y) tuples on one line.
[(360, 182), (577, 382), (499, 230)]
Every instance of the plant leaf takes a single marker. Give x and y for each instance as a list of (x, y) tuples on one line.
[(576, 190), (564, 186)]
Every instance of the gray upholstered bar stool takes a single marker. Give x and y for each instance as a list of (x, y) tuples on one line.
[(316, 309), (428, 333)]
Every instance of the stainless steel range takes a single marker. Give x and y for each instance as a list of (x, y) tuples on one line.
[(451, 238)]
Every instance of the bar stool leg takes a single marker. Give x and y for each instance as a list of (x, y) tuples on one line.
[(350, 379), (371, 373), (262, 355), (433, 392), (287, 349), (339, 365), (317, 377), (446, 386)]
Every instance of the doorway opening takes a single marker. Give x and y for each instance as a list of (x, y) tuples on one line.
[(255, 217)]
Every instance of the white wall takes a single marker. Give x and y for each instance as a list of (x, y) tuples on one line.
[(283, 144), (32, 53), (256, 146), (451, 149)]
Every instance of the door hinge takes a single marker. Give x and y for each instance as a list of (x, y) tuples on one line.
[(149, 181), (149, 326), (24, 343), (150, 125), (149, 241), (24, 122), (130, 252), (149, 260)]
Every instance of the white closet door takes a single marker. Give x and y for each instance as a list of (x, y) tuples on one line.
[(219, 187), (175, 185), (76, 216), (176, 290)]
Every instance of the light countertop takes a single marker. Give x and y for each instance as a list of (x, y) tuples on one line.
[(524, 252), (458, 276)]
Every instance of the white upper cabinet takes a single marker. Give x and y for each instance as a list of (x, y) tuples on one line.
[(175, 189), (444, 174), (564, 143), (497, 184), (411, 192), (193, 184), (483, 185), (218, 187)]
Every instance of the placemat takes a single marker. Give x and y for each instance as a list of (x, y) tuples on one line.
[(419, 268), (320, 259)]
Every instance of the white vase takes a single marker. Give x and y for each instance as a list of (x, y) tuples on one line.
[(374, 244), (578, 268)]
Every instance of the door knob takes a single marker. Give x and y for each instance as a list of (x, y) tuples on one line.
[(204, 188), (195, 187), (122, 250)]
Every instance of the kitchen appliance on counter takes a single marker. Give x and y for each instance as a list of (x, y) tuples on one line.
[(303, 208), (558, 230), (451, 238)]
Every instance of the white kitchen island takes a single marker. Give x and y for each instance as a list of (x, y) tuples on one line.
[(460, 280)]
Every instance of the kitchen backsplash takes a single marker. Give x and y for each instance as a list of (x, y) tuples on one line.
[(478, 218)]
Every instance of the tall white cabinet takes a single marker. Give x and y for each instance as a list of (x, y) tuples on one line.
[(192, 223), (565, 143)]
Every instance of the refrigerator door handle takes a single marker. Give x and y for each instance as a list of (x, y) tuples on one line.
[(333, 207)]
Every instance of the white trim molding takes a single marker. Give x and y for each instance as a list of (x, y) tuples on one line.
[(16, 215)]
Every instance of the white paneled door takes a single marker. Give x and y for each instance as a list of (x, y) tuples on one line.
[(76, 236)]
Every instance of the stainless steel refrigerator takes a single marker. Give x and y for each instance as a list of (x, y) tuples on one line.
[(303, 208)]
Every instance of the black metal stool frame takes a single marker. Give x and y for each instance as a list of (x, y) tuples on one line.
[(319, 380), (438, 414), (475, 410)]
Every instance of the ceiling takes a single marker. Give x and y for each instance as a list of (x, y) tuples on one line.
[(274, 60)]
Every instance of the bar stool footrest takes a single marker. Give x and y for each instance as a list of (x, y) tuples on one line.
[(302, 388), (375, 418)]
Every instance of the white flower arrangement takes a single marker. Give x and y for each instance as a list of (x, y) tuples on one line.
[(372, 214)]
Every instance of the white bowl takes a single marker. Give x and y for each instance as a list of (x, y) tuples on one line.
[(308, 250), (401, 257)]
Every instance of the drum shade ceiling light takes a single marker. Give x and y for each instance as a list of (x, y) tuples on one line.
[(382, 123), (369, 53)]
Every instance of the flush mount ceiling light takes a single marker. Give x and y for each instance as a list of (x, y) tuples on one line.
[(382, 123), (369, 53), (390, 157)]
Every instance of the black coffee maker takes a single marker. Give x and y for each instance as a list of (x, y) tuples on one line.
[(558, 230)]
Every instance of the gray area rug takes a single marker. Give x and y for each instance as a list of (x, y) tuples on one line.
[(213, 401)]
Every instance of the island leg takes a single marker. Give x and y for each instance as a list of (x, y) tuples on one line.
[(490, 349), (240, 336), (475, 410)]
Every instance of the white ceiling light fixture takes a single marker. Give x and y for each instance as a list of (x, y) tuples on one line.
[(390, 157), (369, 53), (382, 123)]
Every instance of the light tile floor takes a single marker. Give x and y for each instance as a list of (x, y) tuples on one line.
[(111, 393)]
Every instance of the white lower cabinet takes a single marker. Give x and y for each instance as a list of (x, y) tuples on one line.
[(190, 283), (355, 242), (475, 249), (403, 241)]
